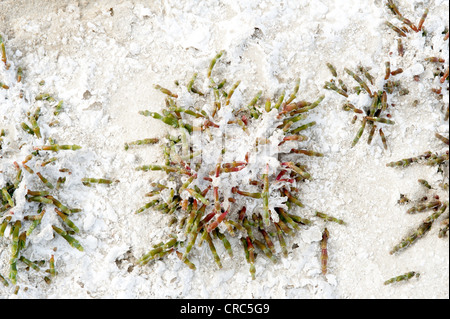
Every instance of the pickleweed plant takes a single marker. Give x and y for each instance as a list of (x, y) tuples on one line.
[(234, 168)]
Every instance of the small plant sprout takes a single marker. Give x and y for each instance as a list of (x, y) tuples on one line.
[(233, 169), (374, 116), (324, 250)]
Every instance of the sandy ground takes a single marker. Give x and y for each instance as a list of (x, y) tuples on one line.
[(103, 58)]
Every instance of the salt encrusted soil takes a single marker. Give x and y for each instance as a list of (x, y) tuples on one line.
[(103, 58)]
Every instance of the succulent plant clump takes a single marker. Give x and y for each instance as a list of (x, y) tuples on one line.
[(33, 172), (431, 202), (234, 169)]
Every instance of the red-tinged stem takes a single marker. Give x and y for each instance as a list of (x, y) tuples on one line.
[(422, 20), (216, 223), (230, 165), (291, 107), (235, 190), (250, 246), (187, 167), (217, 172), (205, 220), (242, 213), (234, 169), (294, 138), (288, 180), (446, 74), (194, 205), (206, 191), (208, 123), (298, 170), (281, 174)]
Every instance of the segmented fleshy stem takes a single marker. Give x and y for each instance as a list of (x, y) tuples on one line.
[(396, 29), (324, 251), (213, 63), (442, 138), (265, 196), (334, 87), (281, 240), (213, 249), (72, 241), (360, 132), (332, 69), (403, 277), (424, 206), (15, 249), (57, 148), (409, 161), (400, 48), (383, 138), (359, 80), (330, 218), (380, 120), (225, 242), (423, 228)]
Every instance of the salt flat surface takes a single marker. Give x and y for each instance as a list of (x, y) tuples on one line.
[(104, 57)]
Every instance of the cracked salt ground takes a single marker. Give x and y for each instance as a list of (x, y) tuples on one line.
[(103, 59)]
